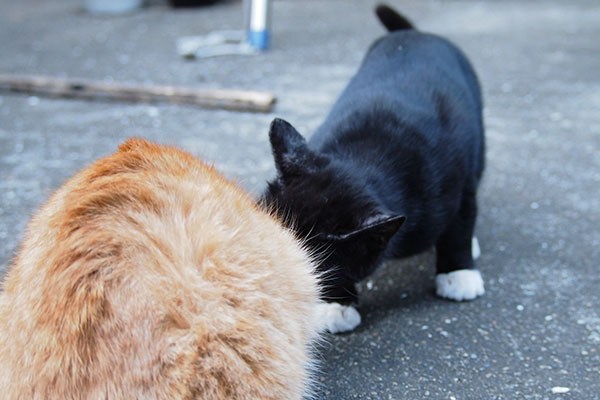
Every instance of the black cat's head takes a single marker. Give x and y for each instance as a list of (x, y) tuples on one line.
[(328, 206)]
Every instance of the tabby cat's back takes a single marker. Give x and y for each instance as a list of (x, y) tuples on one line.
[(147, 275)]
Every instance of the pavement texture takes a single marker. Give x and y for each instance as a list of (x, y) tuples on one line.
[(535, 334)]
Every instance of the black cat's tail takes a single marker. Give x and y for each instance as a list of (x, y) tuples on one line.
[(391, 19)]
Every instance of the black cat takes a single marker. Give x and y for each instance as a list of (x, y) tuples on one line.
[(392, 171)]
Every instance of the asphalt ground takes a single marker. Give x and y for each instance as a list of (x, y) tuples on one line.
[(535, 334)]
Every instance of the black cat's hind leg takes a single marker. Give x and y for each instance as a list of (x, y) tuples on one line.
[(456, 277)]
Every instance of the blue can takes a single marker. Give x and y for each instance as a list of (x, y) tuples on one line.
[(258, 24)]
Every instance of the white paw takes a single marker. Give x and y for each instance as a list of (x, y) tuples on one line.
[(475, 249), (463, 284), (334, 317)]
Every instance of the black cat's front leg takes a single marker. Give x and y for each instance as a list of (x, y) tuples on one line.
[(343, 293), (337, 313), (456, 277)]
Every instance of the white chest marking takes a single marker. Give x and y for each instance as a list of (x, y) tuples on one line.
[(475, 249)]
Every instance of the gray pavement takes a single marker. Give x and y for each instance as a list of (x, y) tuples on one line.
[(538, 325)]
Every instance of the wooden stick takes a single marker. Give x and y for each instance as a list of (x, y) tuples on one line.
[(240, 100)]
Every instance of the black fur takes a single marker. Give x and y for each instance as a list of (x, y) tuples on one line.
[(391, 19), (404, 139)]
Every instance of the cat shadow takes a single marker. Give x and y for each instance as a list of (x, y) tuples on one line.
[(402, 284)]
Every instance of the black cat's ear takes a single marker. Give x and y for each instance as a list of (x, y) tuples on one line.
[(289, 148), (384, 225), (380, 226)]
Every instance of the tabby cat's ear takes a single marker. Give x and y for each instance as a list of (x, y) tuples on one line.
[(380, 227), (289, 148)]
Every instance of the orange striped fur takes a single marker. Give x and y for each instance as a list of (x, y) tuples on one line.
[(149, 276)]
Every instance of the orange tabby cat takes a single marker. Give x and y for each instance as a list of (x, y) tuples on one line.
[(149, 276)]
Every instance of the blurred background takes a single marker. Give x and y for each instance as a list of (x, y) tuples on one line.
[(536, 332)]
